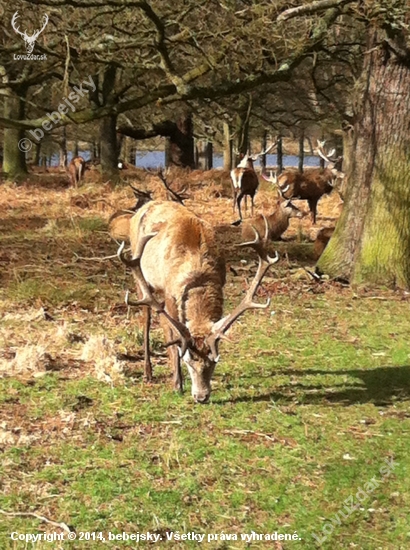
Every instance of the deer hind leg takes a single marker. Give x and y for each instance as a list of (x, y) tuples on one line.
[(147, 357), (252, 204), (246, 204), (238, 202)]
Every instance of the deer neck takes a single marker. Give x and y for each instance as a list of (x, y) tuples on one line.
[(201, 306)]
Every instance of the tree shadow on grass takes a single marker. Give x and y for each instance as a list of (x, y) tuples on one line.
[(381, 386)]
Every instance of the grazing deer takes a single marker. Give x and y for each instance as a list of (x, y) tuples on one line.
[(312, 184), (76, 170), (119, 222), (245, 181), (277, 222), (174, 254)]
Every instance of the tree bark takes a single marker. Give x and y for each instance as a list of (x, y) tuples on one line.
[(14, 161), (179, 147), (209, 158), (227, 147), (279, 155), (109, 149), (181, 143), (301, 151), (37, 152), (371, 243), (242, 128), (264, 147)]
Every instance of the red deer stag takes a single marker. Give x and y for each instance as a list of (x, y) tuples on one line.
[(76, 170), (174, 254), (278, 221), (312, 184), (245, 181)]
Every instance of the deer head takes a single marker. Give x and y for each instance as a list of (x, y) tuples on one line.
[(29, 40), (250, 159), (281, 182), (333, 163)]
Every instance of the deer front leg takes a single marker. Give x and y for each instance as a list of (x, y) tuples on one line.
[(313, 208), (238, 202), (147, 357), (173, 353)]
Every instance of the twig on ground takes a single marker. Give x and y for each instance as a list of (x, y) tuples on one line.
[(37, 516), (245, 432)]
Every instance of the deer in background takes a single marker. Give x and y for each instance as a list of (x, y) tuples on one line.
[(76, 170), (312, 184), (174, 255), (119, 222), (245, 181), (277, 222)]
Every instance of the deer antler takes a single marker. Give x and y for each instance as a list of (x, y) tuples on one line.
[(177, 197), (13, 24), (265, 262), (255, 157), (141, 194), (274, 179), (147, 297), (37, 33), (321, 152)]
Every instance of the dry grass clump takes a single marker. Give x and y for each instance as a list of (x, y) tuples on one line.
[(29, 359), (100, 351)]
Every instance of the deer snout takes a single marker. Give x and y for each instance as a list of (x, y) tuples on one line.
[(202, 398)]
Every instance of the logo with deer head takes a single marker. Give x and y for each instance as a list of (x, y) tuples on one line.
[(29, 40)]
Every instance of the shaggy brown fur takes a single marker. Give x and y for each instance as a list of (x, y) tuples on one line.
[(278, 221)]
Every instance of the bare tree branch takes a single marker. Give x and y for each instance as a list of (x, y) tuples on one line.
[(307, 9)]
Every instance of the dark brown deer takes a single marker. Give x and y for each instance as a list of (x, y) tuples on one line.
[(245, 181), (174, 256), (312, 184), (76, 170), (278, 221)]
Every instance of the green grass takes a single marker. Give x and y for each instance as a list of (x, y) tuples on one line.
[(307, 405)]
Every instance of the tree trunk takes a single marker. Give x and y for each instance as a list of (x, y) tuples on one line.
[(227, 147), (242, 127), (209, 155), (109, 149), (301, 151), (371, 243), (37, 152), (14, 161), (264, 147), (279, 156), (181, 143), (63, 149)]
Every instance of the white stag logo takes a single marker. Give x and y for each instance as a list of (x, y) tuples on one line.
[(29, 40)]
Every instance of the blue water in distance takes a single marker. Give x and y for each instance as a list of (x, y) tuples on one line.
[(156, 159)]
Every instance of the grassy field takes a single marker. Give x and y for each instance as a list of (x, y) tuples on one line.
[(308, 427)]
